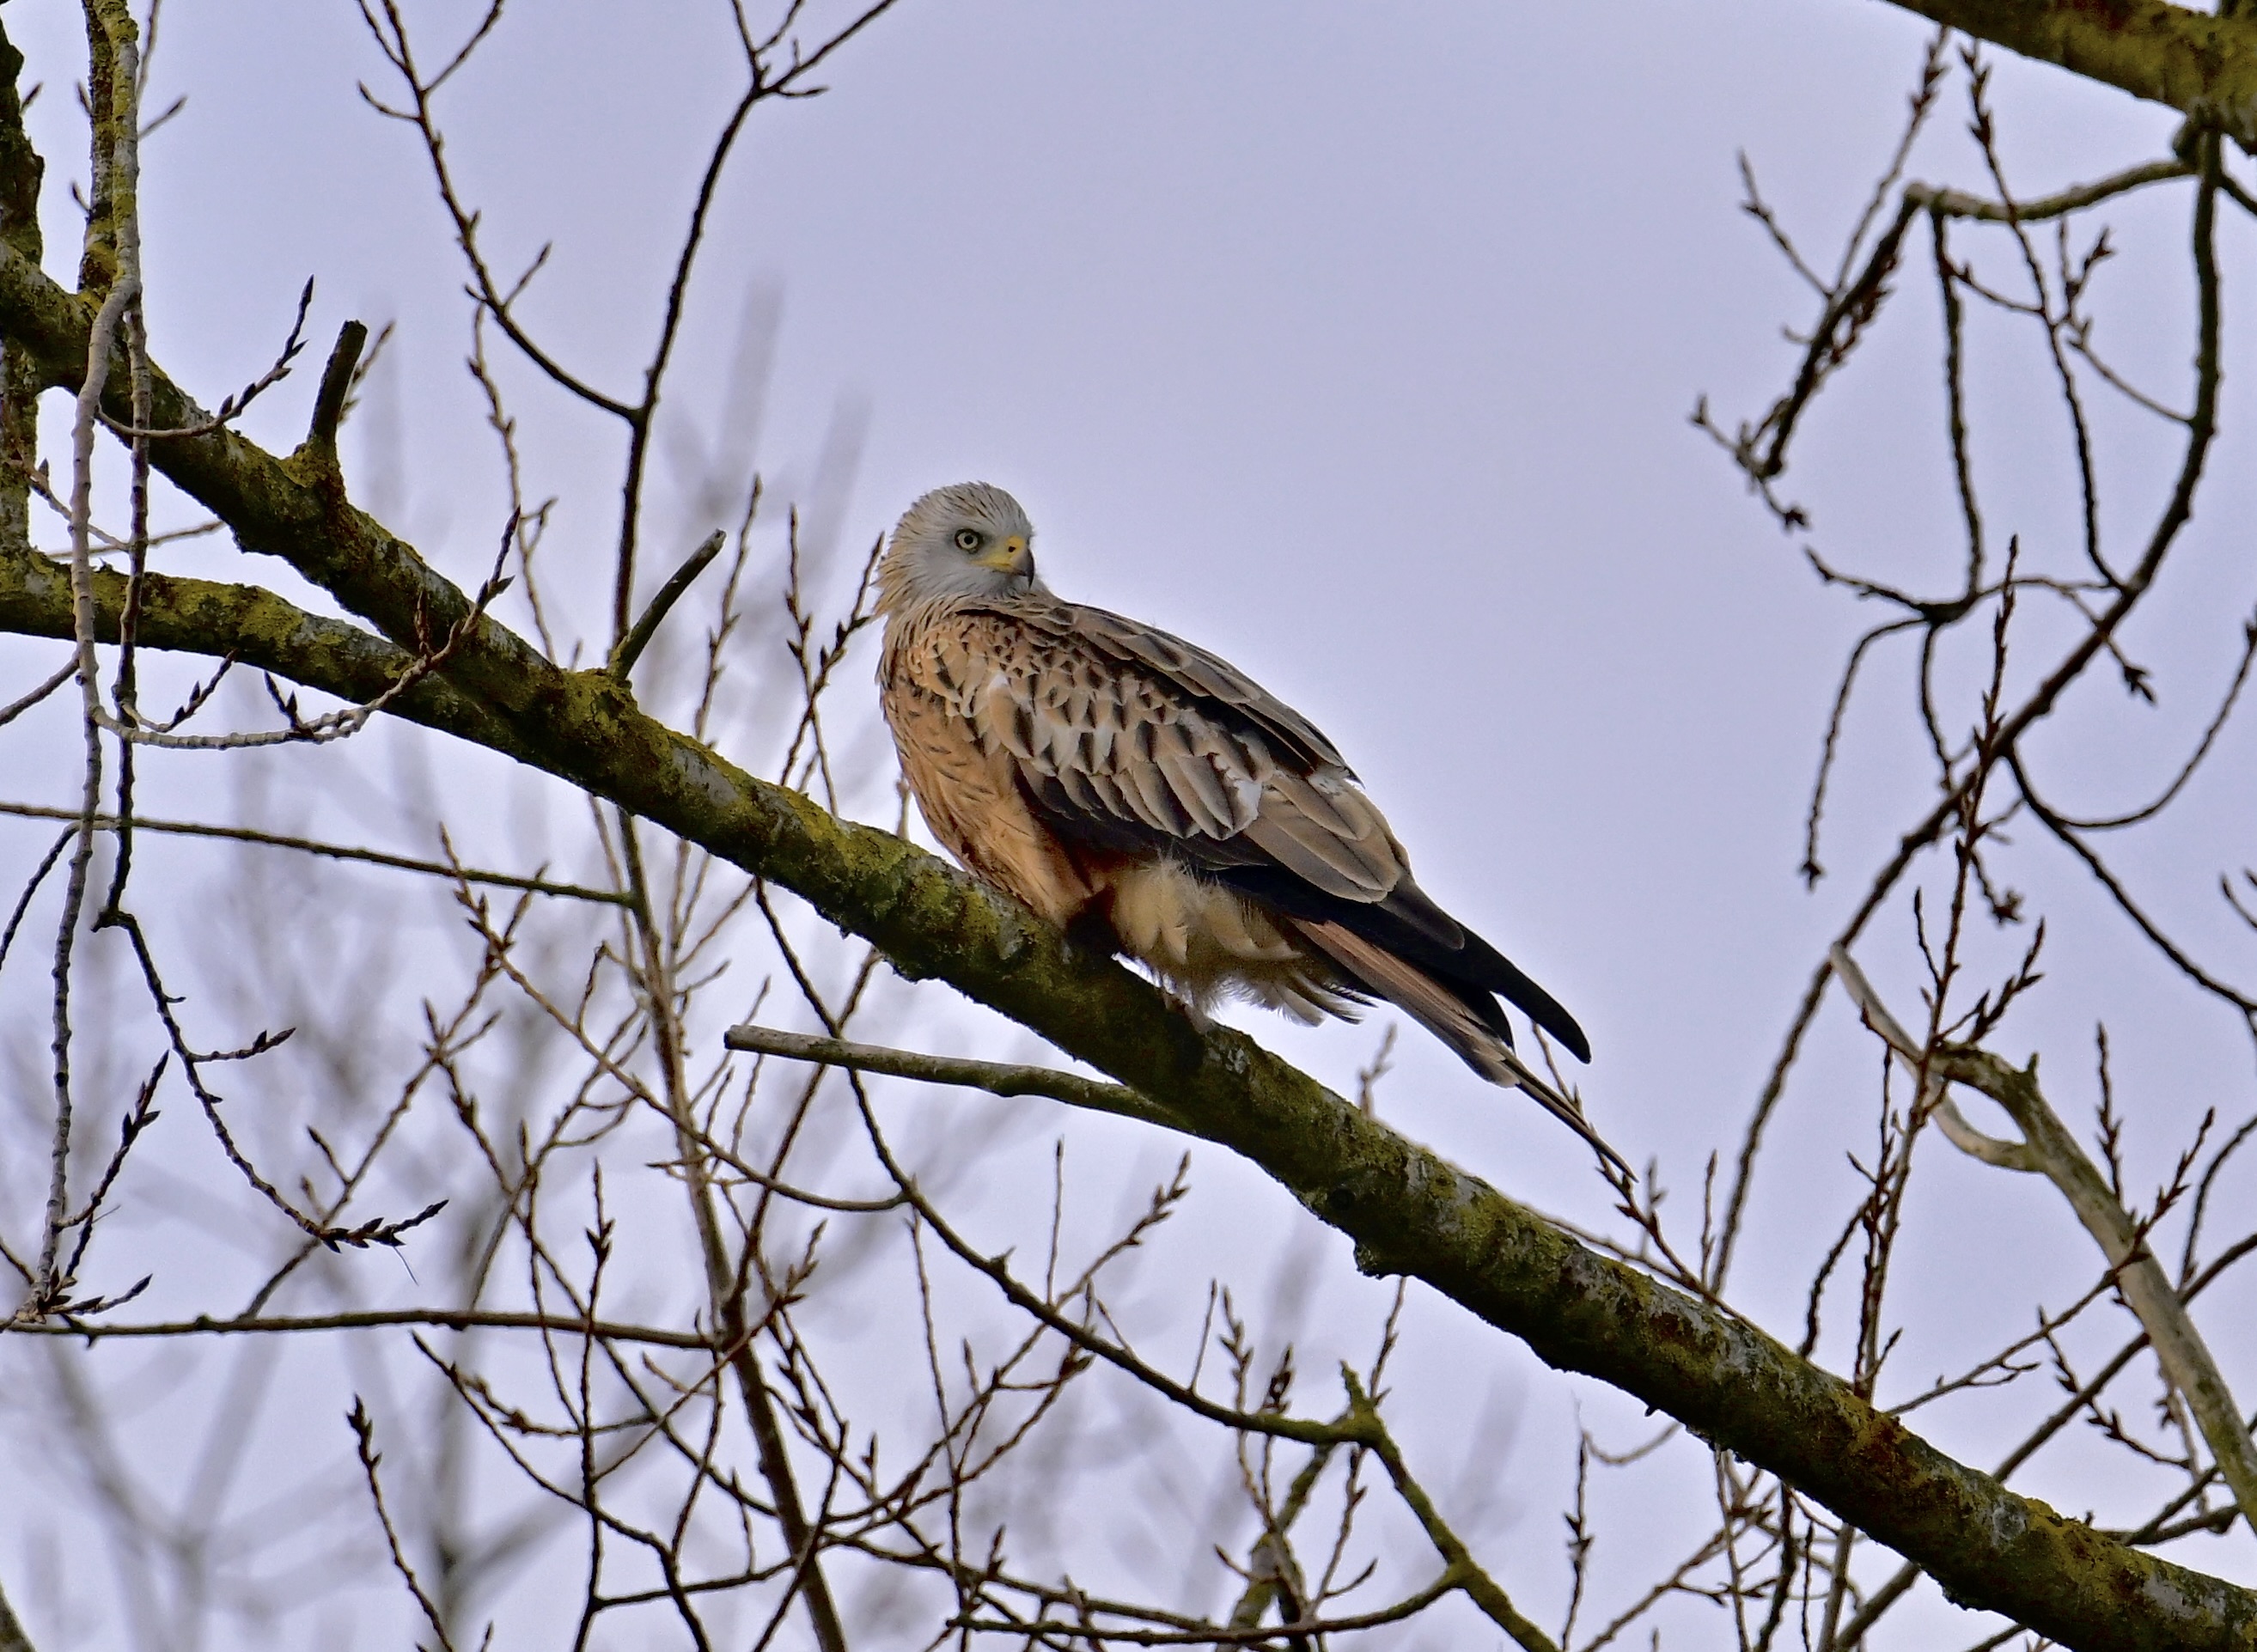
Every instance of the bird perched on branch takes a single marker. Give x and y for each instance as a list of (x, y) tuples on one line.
[(1106, 773)]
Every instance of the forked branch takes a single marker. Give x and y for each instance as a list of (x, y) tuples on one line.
[(2047, 1148)]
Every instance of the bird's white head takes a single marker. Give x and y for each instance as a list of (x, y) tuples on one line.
[(970, 539)]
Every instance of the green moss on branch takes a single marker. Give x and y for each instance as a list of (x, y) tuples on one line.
[(2203, 66)]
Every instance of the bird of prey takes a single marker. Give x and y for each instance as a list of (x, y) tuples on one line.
[(1127, 786)]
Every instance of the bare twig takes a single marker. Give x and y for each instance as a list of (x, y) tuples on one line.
[(2048, 1148)]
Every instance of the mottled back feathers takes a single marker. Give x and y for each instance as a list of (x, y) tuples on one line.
[(1094, 766)]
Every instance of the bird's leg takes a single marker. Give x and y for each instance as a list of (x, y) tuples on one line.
[(1090, 930), (1189, 1005)]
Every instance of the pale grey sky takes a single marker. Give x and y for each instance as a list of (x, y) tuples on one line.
[(1357, 345)]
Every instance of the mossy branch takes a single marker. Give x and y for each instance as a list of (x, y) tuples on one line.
[(2202, 64), (21, 170), (1407, 1210)]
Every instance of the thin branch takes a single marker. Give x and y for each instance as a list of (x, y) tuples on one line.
[(632, 644), (332, 851), (1953, 203), (996, 1077), (2048, 1148), (374, 1318), (14, 708)]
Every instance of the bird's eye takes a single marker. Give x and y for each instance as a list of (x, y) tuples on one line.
[(967, 539)]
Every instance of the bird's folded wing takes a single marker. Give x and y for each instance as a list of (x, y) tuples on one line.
[(1128, 739), (1195, 673), (1116, 750)]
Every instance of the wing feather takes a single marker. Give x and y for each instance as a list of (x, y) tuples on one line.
[(1344, 813), (1153, 799), (1104, 734), (1129, 738), (1190, 775), (1076, 783), (1106, 792), (1198, 674), (1320, 857), (1005, 715)]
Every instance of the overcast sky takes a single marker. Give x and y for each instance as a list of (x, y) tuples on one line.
[(1356, 344)]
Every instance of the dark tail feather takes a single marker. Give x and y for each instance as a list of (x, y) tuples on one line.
[(1450, 1018), (1416, 931)]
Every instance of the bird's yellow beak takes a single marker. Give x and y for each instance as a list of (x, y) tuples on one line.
[(1008, 556)]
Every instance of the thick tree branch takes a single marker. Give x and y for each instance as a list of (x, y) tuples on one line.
[(2203, 66), (21, 170), (1408, 1210), (252, 624), (12, 1638)]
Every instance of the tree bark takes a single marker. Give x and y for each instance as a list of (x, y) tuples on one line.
[(2204, 67)]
